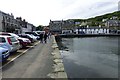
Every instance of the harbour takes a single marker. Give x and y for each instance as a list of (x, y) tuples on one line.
[(91, 57)]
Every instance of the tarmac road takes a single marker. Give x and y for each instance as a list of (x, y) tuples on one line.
[(35, 63)]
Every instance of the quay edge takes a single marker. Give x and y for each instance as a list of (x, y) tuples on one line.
[(88, 35), (59, 71)]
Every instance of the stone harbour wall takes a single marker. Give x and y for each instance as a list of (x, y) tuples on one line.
[(59, 71)]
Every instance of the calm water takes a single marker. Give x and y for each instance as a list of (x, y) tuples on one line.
[(95, 57)]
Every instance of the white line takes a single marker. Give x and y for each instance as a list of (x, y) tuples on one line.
[(18, 55), (37, 43)]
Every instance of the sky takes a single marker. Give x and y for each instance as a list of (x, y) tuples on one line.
[(40, 12)]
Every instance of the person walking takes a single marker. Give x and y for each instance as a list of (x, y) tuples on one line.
[(41, 37), (45, 37)]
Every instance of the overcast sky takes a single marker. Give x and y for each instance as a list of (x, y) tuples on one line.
[(39, 12)]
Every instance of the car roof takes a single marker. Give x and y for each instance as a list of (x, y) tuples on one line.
[(4, 36)]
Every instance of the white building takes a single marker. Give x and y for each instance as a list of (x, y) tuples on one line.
[(92, 31), (29, 28), (67, 32)]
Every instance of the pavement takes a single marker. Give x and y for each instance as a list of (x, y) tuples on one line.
[(37, 62)]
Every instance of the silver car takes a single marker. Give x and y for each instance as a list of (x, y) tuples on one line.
[(11, 42), (4, 54)]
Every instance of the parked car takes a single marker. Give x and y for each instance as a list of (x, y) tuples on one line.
[(23, 41), (34, 37), (4, 54), (34, 34), (11, 42), (39, 32), (27, 36)]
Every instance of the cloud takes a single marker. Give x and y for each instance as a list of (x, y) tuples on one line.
[(94, 9), (102, 8), (41, 11)]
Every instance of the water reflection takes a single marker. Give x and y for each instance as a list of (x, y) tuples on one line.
[(91, 57)]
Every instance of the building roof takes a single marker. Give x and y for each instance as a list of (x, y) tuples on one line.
[(114, 21)]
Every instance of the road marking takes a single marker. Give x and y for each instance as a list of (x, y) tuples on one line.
[(19, 55)]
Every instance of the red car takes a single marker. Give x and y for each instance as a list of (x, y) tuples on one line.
[(23, 41)]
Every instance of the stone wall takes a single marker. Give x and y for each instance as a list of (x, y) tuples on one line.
[(59, 71)]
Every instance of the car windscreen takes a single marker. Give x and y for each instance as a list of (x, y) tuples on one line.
[(14, 35), (2, 40), (13, 39)]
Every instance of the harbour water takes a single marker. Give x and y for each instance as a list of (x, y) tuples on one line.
[(92, 57)]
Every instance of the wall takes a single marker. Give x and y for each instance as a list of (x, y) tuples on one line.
[(1, 29)]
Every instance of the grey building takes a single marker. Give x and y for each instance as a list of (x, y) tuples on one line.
[(113, 24), (8, 23), (1, 20), (22, 24), (58, 26), (68, 25), (30, 27)]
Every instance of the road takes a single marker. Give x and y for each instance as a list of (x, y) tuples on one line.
[(35, 63)]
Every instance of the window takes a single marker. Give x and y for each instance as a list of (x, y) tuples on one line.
[(2, 40)]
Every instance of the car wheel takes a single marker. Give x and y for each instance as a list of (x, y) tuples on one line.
[(15, 51), (21, 46)]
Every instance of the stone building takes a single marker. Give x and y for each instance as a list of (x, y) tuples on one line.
[(68, 25), (22, 24), (1, 20), (58, 26), (9, 24), (113, 24)]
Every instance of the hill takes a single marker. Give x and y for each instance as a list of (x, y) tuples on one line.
[(105, 16), (99, 18)]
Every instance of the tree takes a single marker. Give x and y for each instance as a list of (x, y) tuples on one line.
[(39, 28)]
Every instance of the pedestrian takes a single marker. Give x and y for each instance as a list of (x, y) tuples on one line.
[(48, 35), (45, 37), (41, 37)]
